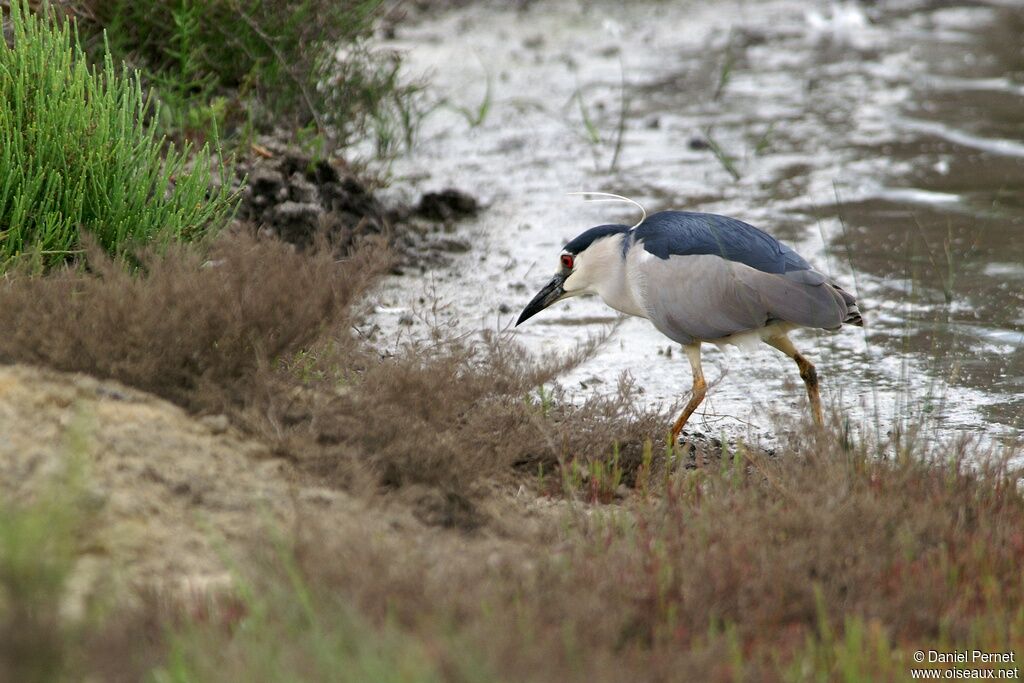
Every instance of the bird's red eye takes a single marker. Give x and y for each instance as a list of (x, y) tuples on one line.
[(567, 261)]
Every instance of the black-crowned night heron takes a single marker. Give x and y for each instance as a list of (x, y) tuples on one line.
[(700, 277)]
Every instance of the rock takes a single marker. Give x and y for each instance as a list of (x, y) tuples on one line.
[(445, 509), (302, 191), (446, 205), (451, 245), (265, 182), (217, 424), (295, 222), (534, 42), (325, 173), (699, 144)]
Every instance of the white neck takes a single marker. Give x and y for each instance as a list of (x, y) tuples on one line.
[(604, 257)]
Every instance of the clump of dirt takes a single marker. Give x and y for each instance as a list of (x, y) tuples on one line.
[(291, 195), (448, 204)]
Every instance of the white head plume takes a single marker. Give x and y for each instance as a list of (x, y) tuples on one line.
[(609, 197)]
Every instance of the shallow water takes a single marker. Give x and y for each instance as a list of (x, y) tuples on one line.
[(886, 144)]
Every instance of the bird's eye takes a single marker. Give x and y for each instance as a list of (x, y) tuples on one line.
[(567, 261)]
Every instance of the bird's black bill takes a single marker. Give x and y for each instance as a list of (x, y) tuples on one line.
[(551, 293)]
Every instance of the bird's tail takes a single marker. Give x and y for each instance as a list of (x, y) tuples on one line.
[(853, 316)]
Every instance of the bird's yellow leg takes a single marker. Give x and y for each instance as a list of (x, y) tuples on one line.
[(807, 373), (700, 388)]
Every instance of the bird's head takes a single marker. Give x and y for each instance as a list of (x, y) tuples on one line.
[(582, 265)]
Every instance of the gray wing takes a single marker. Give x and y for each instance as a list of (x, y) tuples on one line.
[(705, 297)]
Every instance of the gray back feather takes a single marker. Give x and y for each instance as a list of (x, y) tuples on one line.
[(706, 297)]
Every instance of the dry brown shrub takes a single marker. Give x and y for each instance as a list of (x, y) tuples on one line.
[(195, 328), (900, 542), (262, 333), (456, 411), (755, 572), (820, 564)]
